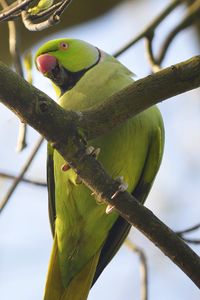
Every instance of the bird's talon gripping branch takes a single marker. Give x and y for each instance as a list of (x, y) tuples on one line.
[(109, 209), (121, 188), (79, 114), (78, 180), (93, 152), (65, 167), (89, 150), (96, 152), (98, 199)]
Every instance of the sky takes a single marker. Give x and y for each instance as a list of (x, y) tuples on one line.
[(26, 241)]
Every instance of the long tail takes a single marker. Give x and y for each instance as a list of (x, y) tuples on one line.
[(79, 286)]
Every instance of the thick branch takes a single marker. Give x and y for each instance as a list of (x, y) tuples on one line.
[(142, 94), (59, 127)]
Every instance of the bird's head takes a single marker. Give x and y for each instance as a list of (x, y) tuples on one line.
[(65, 61)]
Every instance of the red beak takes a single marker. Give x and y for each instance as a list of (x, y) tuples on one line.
[(46, 63)]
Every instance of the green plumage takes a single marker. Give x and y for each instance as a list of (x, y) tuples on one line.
[(83, 231)]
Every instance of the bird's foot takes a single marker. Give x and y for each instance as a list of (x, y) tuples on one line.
[(98, 199), (65, 167), (78, 179), (109, 209), (93, 152), (121, 188), (79, 114)]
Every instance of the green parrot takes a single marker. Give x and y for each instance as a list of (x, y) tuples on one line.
[(85, 236)]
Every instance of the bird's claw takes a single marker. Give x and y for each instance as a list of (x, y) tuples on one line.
[(109, 209), (79, 114), (121, 188), (93, 152), (78, 180), (65, 167)]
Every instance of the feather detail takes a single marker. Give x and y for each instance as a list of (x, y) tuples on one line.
[(79, 286)]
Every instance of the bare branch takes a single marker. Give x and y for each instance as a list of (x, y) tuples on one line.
[(46, 12), (149, 31), (21, 175), (14, 50), (12, 11), (190, 241), (193, 15), (59, 127), (21, 141), (193, 228), (150, 55), (140, 95), (190, 229), (55, 11), (143, 268), (52, 20), (30, 181)]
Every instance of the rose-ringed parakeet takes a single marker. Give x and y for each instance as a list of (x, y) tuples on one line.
[(85, 237)]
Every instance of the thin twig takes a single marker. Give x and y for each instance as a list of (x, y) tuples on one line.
[(10, 11), (13, 46), (192, 16), (190, 229), (46, 12), (21, 140), (151, 27), (14, 51), (21, 174), (143, 268), (62, 8), (190, 241), (150, 55), (193, 228), (52, 20), (25, 180)]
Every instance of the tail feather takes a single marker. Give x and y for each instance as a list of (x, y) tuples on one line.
[(78, 287)]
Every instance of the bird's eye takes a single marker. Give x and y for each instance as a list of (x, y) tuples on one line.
[(64, 46)]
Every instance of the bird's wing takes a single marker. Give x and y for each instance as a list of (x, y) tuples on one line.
[(121, 228), (51, 188)]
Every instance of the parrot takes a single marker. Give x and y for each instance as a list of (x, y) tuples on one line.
[(85, 237)]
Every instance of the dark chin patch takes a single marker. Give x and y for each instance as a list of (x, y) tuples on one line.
[(65, 79), (71, 79)]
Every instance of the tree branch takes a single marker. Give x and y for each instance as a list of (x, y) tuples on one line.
[(143, 268), (25, 180), (18, 179), (52, 20), (191, 17), (64, 130), (149, 30), (140, 95), (12, 10)]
